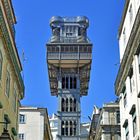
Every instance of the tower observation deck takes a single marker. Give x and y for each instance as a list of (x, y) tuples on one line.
[(69, 57)]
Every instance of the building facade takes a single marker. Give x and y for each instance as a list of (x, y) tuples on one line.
[(54, 126), (34, 124), (127, 85), (94, 121), (84, 131), (69, 63), (84, 128), (11, 83), (105, 124)]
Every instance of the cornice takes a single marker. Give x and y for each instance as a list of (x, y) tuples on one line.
[(123, 16), (6, 38)]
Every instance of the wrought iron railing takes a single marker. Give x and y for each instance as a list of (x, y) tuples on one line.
[(69, 55)]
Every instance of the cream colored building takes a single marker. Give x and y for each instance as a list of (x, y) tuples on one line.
[(105, 124), (127, 85), (11, 84), (34, 124)]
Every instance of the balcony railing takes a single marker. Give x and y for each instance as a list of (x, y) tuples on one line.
[(68, 56), (61, 39), (68, 39)]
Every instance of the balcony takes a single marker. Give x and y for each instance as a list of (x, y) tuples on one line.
[(60, 39), (69, 56), (69, 59)]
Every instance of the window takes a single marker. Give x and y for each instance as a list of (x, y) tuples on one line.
[(67, 105), (21, 136), (125, 100), (67, 127), (62, 128), (67, 80), (1, 62), (74, 128), (130, 13), (124, 36), (134, 125), (63, 82), (124, 96), (67, 83), (71, 128), (111, 117), (74, 107), (71, 104), (70, 82), (127, 136), (125, 125), (21, 118), (63, 104), (139, 60), (134, 119), (131, 79), (118, 117), (75, 83), (8, 84)]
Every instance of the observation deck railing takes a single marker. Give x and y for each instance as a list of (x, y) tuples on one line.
[(68, 56)]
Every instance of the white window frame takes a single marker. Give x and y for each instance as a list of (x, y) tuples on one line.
[(23, 120), (21, 136)]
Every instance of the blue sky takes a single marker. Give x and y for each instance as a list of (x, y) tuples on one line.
[(33, 32)]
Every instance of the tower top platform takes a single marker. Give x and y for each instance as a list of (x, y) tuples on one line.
[(69, 29), (81, 20)]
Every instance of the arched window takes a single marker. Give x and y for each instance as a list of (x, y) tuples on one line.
[(7, 90), (74, 105), (63, 105), (62, 128), (71, 133), (1, 62), (67, 127), (74, 128), (71, 104), (63, 82), (75, 83), (70, 82), (67, 82), (67, 105)]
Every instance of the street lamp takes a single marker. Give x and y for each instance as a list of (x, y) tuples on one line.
[(5, 135)]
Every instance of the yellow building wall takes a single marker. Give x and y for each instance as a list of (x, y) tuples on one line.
[(11, 63), (7, 102)]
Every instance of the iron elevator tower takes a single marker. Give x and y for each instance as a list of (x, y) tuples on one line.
[(69, 56)]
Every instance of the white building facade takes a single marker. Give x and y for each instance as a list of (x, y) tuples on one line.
[(127, 85), (34, 124)]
